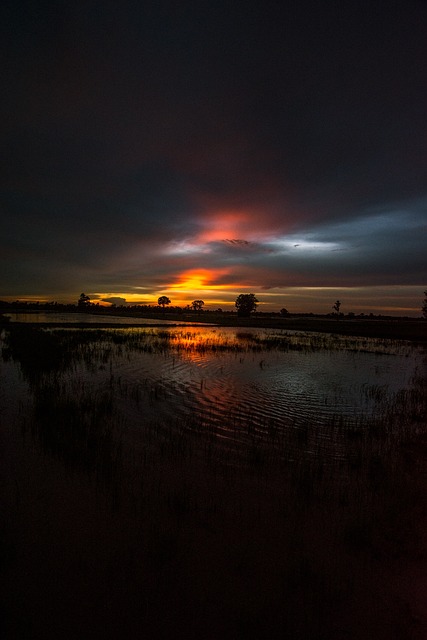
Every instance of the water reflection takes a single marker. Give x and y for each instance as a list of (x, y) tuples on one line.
[(237, 384)]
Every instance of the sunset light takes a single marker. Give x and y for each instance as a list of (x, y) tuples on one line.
[(227, 225), (200, 280), (192, 281), (213, 320), (272, 163)]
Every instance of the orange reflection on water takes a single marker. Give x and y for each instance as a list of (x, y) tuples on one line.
[(196, 341)]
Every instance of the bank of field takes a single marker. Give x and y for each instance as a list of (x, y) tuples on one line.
[(212, 483)]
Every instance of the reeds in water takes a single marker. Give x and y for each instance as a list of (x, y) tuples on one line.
[(248, 531)]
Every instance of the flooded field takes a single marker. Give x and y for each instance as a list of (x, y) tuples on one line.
[(244, 483)]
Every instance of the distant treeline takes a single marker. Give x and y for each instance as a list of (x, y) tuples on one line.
[(17, 305), (95, 307)]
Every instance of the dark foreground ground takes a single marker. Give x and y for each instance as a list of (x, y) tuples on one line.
[(164, 533), (192, 548)]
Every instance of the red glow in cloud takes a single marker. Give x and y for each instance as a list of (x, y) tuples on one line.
[(231, 225)]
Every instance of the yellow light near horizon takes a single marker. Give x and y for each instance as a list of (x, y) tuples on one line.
[(200, 280), (193, 283)]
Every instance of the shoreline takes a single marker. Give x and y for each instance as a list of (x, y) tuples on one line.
[(399, 329)]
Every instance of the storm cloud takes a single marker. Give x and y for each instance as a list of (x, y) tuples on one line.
[(177, 148)]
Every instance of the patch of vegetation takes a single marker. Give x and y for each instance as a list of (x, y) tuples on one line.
[(249, 532)]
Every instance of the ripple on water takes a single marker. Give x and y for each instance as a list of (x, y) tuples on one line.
[(235, 393), (242, 392)]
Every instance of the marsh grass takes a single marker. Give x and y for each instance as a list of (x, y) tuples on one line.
[(36, 345), (79, 427), (186, 530)]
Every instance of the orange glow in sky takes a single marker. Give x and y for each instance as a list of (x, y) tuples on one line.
[(200, 279), (204, 284)]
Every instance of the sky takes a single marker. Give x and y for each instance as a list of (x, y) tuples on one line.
[(201, 150)]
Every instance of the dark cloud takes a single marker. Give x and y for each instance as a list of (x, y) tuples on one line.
[(238, 243), (142, 140), (115, 300)]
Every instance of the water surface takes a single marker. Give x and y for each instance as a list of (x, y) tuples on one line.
[(234, 382)]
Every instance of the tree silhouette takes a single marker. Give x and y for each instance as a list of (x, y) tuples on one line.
[(163, 301), (246, 303), (83, 302), (336, 307), (424, 307), (197, 305), (284, 312)]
